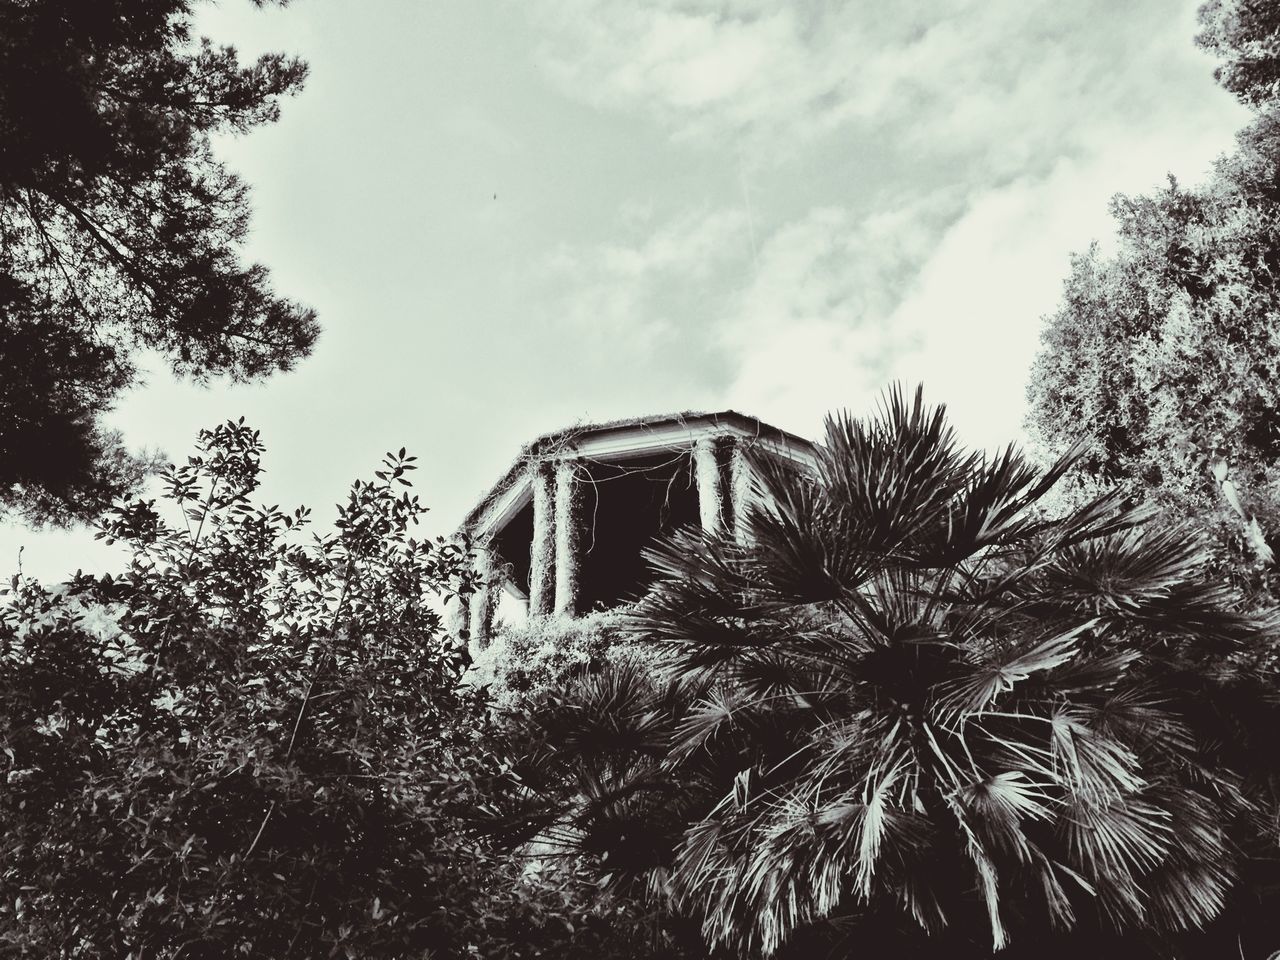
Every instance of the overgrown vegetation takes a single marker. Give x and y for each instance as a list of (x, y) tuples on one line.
[(254, 743), (525, 662), (911, 705)]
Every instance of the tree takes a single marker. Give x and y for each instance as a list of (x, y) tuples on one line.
[(120, 231), (1245, 34), (220, 750), (913, 704), (1164, 357), (254, 743)]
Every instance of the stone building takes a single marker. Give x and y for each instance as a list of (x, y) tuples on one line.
[(561, 532)]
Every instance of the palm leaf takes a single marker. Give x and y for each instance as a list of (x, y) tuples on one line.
[(987, 681)]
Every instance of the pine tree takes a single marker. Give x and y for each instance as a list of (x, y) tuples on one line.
[(121, 231)]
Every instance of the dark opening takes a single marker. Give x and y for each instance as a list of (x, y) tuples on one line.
[(625, 506), (512, 546)]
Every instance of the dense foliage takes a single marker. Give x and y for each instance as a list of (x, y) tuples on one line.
[(253, 743), (912, 712), (119, 231), (1164, 357), (1245, 34), (525, 661), (912, 701)]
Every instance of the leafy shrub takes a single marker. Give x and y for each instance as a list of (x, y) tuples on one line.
[(253, 743), (524, 662)]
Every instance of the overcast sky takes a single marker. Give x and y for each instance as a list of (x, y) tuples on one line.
[(515, 216)]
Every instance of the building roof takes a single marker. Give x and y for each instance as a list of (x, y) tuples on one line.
[(617, 440)]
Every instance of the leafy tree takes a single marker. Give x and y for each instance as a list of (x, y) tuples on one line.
[(1245, 34), (253, 743), (1164, 357), (913, 705), (120, 231)]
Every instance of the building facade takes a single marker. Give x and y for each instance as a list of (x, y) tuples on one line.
[(563, 530)]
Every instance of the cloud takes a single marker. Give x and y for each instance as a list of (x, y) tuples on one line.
[(1004, 77), (926, 171), (947, 288), (974, 315), (953, 302), (794, 323), (811, 330), (679, 60), (648, 292)]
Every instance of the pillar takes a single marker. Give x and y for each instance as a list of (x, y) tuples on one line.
[(706, 470), (740, 489), (458, 617), (484, 600), (542, 558), (568, 536)]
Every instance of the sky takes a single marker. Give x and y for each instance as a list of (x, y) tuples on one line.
[(513, 217)]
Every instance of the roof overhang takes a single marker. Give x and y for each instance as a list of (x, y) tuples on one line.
[(617, 442)]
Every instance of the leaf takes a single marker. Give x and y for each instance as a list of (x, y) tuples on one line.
[(986, 682)]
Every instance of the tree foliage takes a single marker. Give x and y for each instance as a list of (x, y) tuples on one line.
[(253, 743), (1245, 34), (912, 701), (121, 231), (1164, 356)]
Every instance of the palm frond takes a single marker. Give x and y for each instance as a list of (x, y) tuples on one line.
[(1116, 838), (988, 878), (1089, 764), (990, 678), (718, 711), (912, 689), (892, 476), (804, 548)]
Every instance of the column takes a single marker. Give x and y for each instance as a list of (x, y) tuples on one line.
[(458, 617), (542, 549), (740, 480), (568, 537), (706, 470), (485, 599)]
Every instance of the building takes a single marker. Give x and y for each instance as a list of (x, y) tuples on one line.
[(562, 531)]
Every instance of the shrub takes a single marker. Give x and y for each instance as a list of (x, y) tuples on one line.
[(524, 662), (253, 743)]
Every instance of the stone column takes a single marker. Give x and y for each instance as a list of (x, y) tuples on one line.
[(542, 558), (458, 617), (485, 599), (706, 470), (740, 488), (568, 535)]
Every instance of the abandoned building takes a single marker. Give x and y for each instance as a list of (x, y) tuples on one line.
[(563, 530)]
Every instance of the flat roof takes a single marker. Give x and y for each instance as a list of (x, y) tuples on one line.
[(618, 440)]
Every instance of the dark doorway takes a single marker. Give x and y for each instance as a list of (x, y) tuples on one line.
[(512, 547), (625, 506)]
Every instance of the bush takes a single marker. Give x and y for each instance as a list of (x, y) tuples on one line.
[(524, 662), (253, 743)]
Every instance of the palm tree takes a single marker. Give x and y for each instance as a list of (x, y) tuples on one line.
[(913, 695)]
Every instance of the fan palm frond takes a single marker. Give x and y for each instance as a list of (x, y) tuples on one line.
[(913, 689), (992, 677)]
